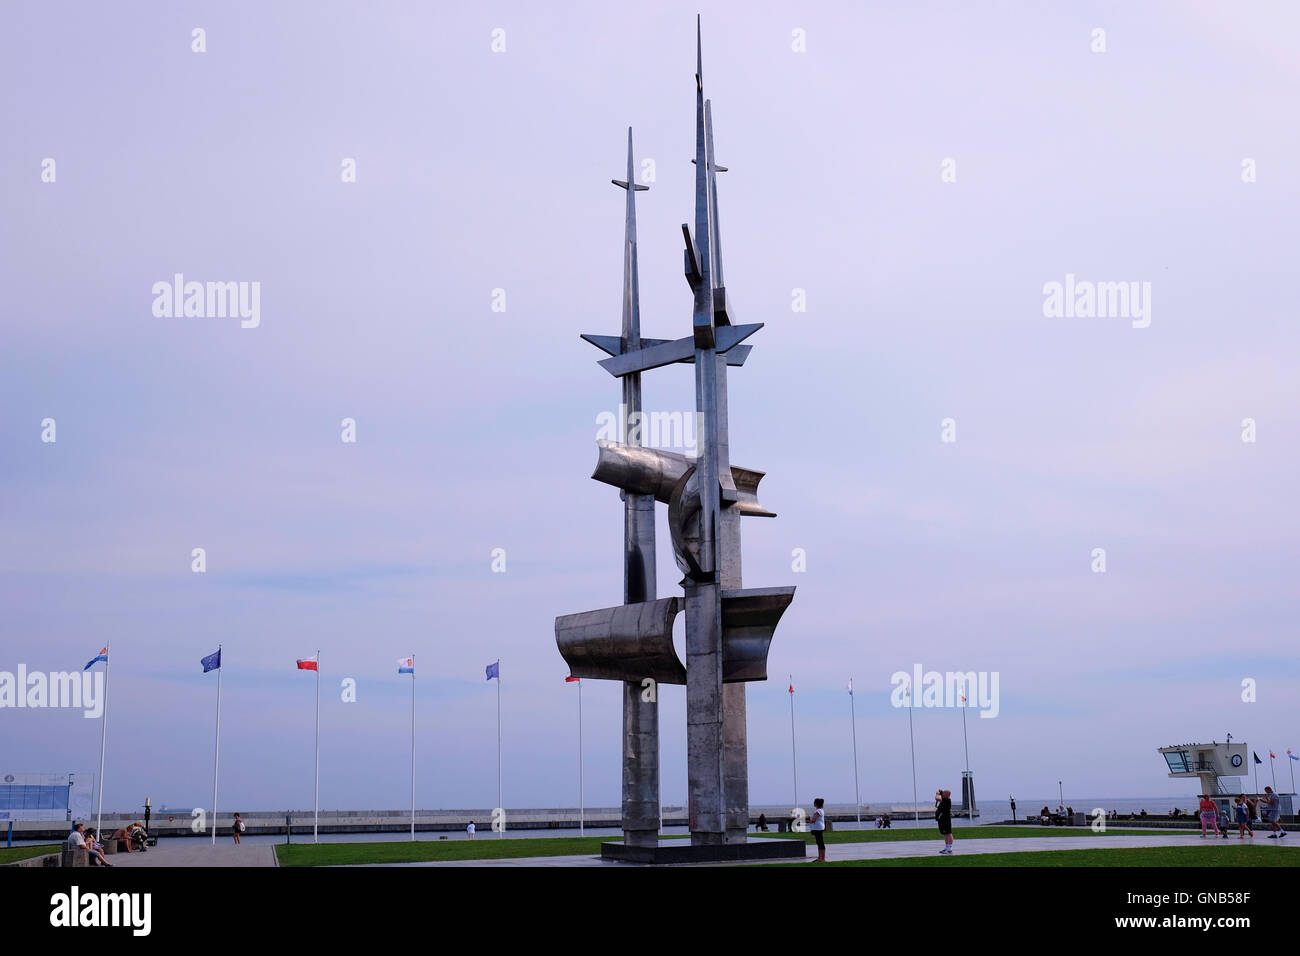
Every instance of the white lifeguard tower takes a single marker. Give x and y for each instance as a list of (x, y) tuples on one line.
[(1217, 766)]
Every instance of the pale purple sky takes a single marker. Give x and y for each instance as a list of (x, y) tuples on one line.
[(479, 170)]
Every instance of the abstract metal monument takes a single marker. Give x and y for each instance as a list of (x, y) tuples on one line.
[(728, 628)]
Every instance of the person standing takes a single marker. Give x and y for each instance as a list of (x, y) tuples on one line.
[(1209, 815), (943, 817), (1270, 812), (236, 828), (818, 827), (1241, 810), (470, 829)]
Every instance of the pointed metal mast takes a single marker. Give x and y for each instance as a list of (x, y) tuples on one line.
[(641, 811), (706, 773), (631, 331), (703, 325)]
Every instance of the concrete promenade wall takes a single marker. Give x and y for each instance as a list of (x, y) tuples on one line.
[(177, 823)]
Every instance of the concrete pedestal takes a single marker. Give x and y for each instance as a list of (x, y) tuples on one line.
[(684, 851)]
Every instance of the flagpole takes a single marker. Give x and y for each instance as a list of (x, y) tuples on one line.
[(216, 750), (1257, 761), (581, 801), (794, 759), (103, 738), (1272, 765), (1289, 761), (967, 782), (965, 746), (853, 716), (916, 808), (502, 831), (412, 746), (315, 827)]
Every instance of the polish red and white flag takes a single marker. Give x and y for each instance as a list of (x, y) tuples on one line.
[(307, 664)]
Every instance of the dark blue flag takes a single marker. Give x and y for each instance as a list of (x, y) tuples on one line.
[(494, 670), (1256, 756), (212, 661)]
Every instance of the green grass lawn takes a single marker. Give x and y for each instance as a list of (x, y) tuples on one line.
[(494, 848), (1208, 855), (422, 851), (15, 853)]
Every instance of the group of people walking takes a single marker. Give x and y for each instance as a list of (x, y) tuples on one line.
[(1266, 808)]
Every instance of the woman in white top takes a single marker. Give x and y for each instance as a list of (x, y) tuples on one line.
[(818, 827)]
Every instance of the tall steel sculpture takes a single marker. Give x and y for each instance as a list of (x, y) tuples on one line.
[(728, 628)]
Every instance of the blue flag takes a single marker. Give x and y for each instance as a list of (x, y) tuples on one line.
[(494, 670), (101, 656), (1256, 756), (212, 661)]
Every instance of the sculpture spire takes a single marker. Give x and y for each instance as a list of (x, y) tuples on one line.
[(702, 253), (631, 333), (699, 57)]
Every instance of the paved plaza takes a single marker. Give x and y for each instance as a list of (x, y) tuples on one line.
[(908, 848), (196, 852), (200, 853)]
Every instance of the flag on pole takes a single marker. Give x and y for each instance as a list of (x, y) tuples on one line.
[(101, 656), (1292, 756), (308, 664), (1256, 756), (792, 688), (850, 686), (406, 665), (1271, 755), (212, 662), (571, 679), (494, 670)]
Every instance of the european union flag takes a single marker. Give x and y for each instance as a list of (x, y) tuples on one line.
[(494, 670), (212, 661)]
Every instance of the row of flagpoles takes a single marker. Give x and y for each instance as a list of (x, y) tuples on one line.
[(406, 665), (853, 718), (1273, 767)]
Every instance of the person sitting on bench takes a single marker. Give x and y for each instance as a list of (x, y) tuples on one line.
[(95, 849), (139, 836)]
